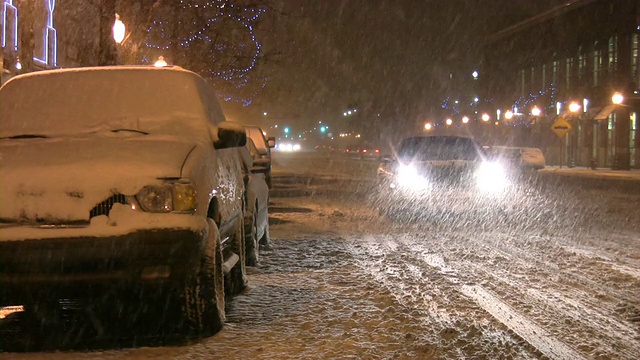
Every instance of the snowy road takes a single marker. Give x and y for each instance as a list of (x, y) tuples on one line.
[(559, 281)]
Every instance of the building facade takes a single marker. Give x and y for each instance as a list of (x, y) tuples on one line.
[(46, 34), (568, 63)]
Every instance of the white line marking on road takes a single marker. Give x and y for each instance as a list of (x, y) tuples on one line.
[(525, 328)]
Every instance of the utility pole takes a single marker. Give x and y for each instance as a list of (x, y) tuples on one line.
[(26, 42)]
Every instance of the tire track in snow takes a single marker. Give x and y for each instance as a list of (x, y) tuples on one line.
[(526, 329), (575, 300)]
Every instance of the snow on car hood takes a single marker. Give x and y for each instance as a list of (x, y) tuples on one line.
[(62, 179)]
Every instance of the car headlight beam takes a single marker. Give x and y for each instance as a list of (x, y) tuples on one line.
[(409, 178), (491, 177)]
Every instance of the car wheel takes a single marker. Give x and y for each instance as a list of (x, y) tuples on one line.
[(204, 297), (237, 277), (250, 240)]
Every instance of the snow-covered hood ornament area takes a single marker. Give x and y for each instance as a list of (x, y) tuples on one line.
[(59, 180)]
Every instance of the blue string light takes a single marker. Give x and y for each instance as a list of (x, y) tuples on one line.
[(233, 72)]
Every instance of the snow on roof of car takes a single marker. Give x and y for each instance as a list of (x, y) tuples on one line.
[(58, 101)]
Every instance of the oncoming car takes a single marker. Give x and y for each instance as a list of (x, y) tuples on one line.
[(439, 172)]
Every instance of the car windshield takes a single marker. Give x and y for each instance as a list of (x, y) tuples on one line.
[(438, 148), (257, 136)]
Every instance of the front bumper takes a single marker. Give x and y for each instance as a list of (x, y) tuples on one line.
[(76, 266)]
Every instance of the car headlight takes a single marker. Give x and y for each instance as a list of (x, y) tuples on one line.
[(491, 177), (164, 198), (409, 178)]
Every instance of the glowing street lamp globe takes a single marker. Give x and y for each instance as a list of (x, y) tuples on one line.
[(465, 119), (160, 62), (574, 107), (508, 114), (119, 30), (485, 117), (536, 111), (617, 98), (449, 122), (428, 126)]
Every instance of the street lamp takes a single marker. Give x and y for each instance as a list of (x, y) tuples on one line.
[(428, 126), (160, 62), (508, 114), (449, 122), (574, 107), (536, 111), (485, 117), (118, 30), (465, 119), (617, 98)]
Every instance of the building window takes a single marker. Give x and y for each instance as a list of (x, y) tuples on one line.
[(568, 72), (633, 138), (522, 82), (582, 67), (532, 83), (554, 72), (612, 52), (634, 59), (543, 76), (597, 66)]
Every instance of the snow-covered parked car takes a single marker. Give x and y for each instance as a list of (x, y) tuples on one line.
[(256, 219), (263, 147), (121, 180), (522, 158)]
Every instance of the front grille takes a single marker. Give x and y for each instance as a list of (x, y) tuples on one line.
[(104, 207)]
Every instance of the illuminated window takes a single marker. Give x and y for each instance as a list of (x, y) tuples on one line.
[(543, 77), (568, 72), (532, 83), (633, 138), (554, 72), (45, 37), (634, 58), (582, 66), (597, 66), (613, 56)]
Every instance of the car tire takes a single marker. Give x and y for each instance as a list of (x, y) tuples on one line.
[(237, 278), (204, 296), (251, 240)]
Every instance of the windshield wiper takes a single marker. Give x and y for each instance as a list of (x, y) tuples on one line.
[(25, 136), (130, 130)]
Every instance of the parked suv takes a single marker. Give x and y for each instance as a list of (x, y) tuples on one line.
[(264, 146), (120, 181)]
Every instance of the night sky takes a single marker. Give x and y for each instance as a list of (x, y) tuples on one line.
[(389, 56)]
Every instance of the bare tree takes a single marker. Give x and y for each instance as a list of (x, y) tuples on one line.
[(216, 39)]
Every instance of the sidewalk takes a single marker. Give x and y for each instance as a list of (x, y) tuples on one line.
[(603, 173)]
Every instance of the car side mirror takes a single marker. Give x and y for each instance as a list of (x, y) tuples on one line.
[(271, 142), (230, 135), (259, 169), (386, 159), (266, 163)]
